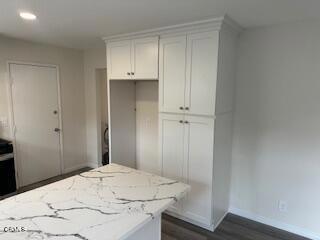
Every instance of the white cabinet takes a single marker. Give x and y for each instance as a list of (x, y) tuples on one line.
[(202, 63), (119, 60), (198, 162), (133, 59), (186, 154), (188, 73), (145, 58), (196, 78), (196, 87), (172, 74), (171, 132)]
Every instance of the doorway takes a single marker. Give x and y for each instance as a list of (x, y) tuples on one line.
[(102, 116), (36, 121)]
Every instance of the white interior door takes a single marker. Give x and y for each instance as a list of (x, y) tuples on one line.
[(172, 74), (202, 63), (36, 115), (199, 140)]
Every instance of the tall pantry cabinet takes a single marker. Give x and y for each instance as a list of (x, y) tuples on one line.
[(196, 83), (196, 79)]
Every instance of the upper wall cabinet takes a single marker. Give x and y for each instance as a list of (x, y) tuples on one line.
[(145, 58), (172, 74), (188, 73), (133, 59), (119, 60), (201, 79)]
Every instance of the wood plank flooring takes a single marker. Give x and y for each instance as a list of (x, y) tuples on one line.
[(232, 227)]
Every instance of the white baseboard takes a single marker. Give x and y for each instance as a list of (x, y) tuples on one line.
[(92, 165), (186, 219), (76, 167), (221, 219), (274, 223)]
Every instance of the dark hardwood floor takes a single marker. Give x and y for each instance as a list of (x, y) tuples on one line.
[(232, 227)]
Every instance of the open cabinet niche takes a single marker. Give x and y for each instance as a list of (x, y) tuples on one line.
[(134, 123)]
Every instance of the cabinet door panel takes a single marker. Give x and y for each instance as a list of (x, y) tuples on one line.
[(171, 149), (202, 57), (119, 60), (199, 132), (145, 58), (172, 74)]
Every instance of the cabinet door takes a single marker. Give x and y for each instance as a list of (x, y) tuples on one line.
[(171, 136), (145, 54), (119, 60), (172, 74), (202, 60), (198, 172)]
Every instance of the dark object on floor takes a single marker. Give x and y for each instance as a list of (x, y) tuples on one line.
[(105, 158), (232, 228)]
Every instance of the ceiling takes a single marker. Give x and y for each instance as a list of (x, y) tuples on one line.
[(82, 23)]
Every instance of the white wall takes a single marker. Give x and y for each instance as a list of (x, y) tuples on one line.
[(123, 122), (276, 147), (70, 63), (94, 59), (147, 114)]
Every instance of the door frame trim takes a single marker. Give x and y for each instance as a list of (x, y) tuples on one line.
[(17, 162)]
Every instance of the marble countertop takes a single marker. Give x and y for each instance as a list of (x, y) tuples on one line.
[(106, 203)]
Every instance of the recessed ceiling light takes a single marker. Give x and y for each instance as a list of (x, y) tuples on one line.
[(28, 16)]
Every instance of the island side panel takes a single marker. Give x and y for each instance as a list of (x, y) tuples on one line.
[(152, 230)]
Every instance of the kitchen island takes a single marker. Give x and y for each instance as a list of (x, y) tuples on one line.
[(108, 203)]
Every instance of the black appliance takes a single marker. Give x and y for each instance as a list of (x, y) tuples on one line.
[(7, 171)]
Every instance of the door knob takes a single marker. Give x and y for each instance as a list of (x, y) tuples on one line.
[(132, 73), (55, 112), (186, 122), (181, 108), (180, 121), (128, 73), (186, 108), (57, 129)]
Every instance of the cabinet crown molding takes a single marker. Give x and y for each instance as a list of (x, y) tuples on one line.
[(207, 24)]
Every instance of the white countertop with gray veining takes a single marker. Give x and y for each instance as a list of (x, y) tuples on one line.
[(109, 202)]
